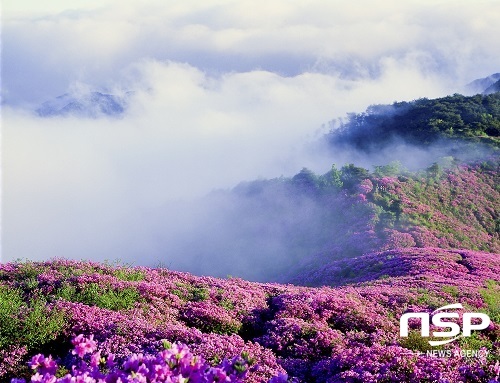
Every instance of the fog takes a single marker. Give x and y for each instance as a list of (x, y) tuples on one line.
[(221, 93)]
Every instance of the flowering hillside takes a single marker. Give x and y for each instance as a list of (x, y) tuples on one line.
[(275, 230), (242, 331), (455, 207)]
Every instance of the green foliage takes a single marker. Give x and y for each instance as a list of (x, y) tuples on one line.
[(199, 294), (452, 290), (423, 121), (62, 372), (28, 271), (128, 274), (429, 299), (227, 304), (67, 292), (352, 175), (491, 296), (30, 324), (191, 293), (434, 172), (392, 169), (10, 307), (332, 179), (220, 327), (475, 342), (415, 342), (106, 297), (305, 180)]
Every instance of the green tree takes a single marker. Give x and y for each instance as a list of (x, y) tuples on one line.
[(352, 175)]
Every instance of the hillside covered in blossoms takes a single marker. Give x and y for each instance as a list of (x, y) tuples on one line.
[(325, 334)]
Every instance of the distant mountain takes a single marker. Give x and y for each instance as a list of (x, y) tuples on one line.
[(493, 88), (91, 105), (482, 85)]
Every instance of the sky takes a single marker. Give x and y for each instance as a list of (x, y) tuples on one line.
[(219, 92)]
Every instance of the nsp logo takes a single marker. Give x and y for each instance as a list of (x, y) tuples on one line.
[(438, 317)]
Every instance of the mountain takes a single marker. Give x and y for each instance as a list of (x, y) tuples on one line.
[(482, 84), (450, 208), (288, 229), (493, 88), (456, 119), (91, 105)]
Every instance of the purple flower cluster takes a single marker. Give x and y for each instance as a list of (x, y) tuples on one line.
[(175, 364)]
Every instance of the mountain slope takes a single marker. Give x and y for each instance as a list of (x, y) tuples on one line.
[(480, 85), (493, 88), (269, 230)]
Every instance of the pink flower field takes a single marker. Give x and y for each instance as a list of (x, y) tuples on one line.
[(90, 322)]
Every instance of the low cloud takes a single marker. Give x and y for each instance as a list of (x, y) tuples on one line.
[(79, 187)]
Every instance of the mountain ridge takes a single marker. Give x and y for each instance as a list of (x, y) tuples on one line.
[(481, 85), (91, 105)]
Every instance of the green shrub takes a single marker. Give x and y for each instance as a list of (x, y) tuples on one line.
[(10, 307), (491, 296), (200, 294), (429, 299), (415, 342), (474, 342), (227, 304), (30, 324), (452, 290), (130, 275), (190, 293), (29, 270), (105, 297)]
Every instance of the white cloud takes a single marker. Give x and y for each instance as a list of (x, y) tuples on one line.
[(94, 44), (224, 92)]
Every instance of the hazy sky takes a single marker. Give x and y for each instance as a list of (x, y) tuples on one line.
[(224, 91)]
